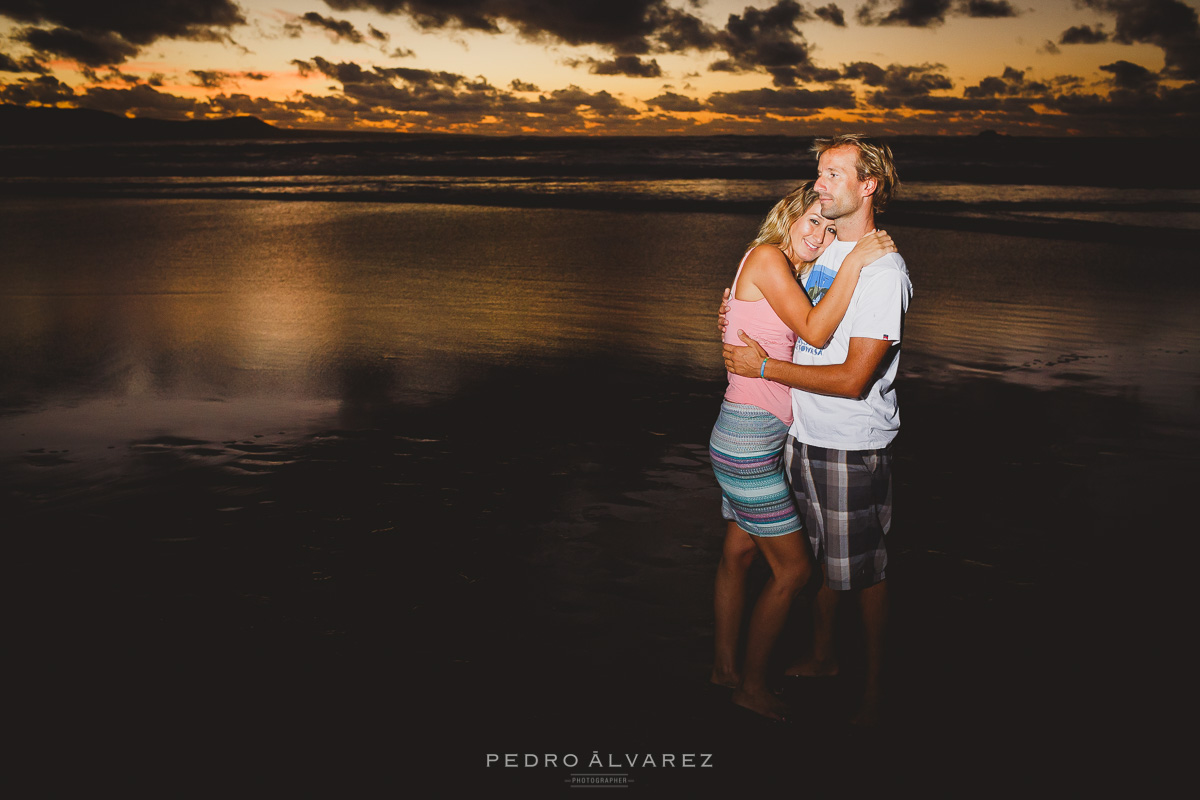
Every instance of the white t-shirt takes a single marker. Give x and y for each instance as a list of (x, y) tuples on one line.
[(876, 311)]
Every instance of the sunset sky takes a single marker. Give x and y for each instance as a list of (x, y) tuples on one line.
[(1059, 67)]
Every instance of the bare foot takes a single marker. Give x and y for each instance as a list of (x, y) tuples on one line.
[(730, 680), (809, 667), (761, 701)]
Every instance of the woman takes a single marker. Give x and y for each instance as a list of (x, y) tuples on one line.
[(746, 448)]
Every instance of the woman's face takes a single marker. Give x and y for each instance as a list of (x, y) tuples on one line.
[(811, 233)]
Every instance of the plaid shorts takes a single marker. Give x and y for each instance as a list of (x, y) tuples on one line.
[(845, 497)]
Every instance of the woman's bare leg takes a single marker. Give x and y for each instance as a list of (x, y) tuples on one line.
[(729, 600), (791, 568)]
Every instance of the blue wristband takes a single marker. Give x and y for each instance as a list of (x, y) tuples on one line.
[(762, 371)]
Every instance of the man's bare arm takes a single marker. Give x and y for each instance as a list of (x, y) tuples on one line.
[(850, 379)]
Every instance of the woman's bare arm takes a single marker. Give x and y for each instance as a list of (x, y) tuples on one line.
[(771, 274)]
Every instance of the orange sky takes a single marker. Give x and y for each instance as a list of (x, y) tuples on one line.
[(620, 66)]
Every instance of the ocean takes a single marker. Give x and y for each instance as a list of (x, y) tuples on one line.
[(300, 433)]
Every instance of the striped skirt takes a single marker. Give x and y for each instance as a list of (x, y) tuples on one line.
[(746, 449)]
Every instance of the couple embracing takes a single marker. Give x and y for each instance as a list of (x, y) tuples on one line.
[(802, 446)]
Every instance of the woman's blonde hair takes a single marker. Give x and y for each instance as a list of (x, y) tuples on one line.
[(776, 227)]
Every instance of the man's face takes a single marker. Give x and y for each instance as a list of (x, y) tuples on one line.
[(837, 183)]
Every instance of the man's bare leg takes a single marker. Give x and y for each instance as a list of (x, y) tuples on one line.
[(822, 661), (791, 568), (729, 601), (873, 601)]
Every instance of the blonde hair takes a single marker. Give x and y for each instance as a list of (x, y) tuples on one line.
[(776, 227), (874, 161)]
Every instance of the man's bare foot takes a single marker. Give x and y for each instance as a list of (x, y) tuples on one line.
[(761, 701), (730, 680), (809, 667)]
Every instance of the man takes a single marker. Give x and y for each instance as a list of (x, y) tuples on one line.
[(845, 410)]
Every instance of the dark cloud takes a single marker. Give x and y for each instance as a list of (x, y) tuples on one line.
[(913, 13), (780, 102), (1133, 109), (451, 98), (1083, 34), (768, 40), (337, 28), (988, 8), (99, 34), (831, 13), (114, 75), (865, 71), (142, 100), (625, 27), (401, 52), (1049, 47), (898, 80), (930, 13), (631, 66), (210, 79), (571, 99), (1127, 75), (669, 101), (905, 85), (377, 34), (97, 49), (1169, 24), (522, 86), (44, 90), (27, 64), (213, 79), (1011, 83)]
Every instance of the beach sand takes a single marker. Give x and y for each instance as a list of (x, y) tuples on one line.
[(385, 591)]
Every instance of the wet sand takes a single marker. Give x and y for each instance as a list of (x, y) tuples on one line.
[(401, 598), (384, 591)]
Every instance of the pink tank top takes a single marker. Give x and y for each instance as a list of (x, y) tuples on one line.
[(760, 321)]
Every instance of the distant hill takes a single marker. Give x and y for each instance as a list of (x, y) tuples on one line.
[(21, 125)]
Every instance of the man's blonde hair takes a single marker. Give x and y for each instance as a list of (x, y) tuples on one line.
[(874, 161)]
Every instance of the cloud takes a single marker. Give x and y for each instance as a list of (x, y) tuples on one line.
[(451, 98), (1011, 83), (1169, 24), (901, 85), (338, 29), (99, 34), (930, 13), (831, 13), (913, 13), (1049, 47), (377, 34), (669, 101), (571, 99), (10, 64), (1127, 75), (768, 40), (899, 80), (522, 86), (632, 66), (781, 102), (213, 79), (988, 8), (1083, 34), (624, 27), (93, 49), (142, 100), (44, 90)]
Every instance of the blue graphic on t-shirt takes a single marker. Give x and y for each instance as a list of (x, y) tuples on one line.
[(820, 278)]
